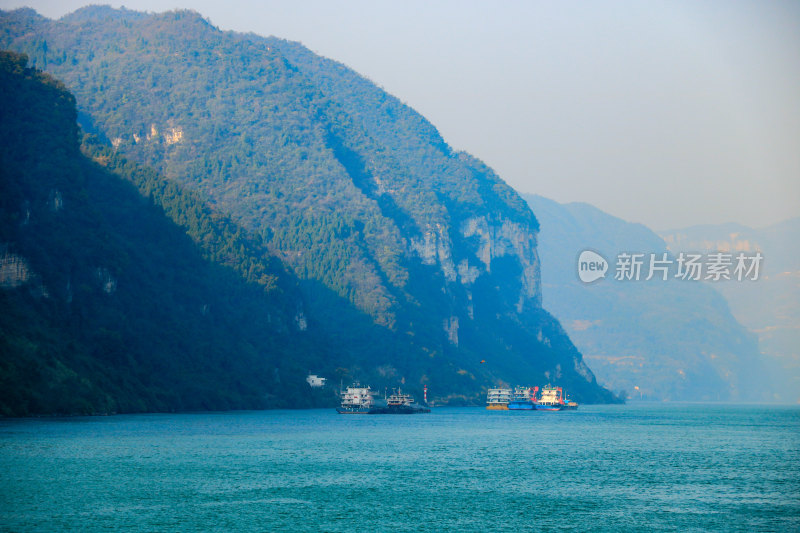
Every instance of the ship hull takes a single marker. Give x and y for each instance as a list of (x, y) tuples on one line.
[(497, 407), (401, 410), (521, 406), (352, 410), (548, 407)]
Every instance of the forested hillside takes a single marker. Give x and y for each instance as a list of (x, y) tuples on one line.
[(108, 305), (414, 262)]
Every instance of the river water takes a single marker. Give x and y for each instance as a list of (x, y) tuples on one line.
[(674, 467)]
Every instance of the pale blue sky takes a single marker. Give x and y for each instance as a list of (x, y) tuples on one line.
[(665, 113)]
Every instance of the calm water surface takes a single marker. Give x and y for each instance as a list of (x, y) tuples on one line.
[(601, 468)]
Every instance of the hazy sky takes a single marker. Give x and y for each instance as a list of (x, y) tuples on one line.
[(665, 113)]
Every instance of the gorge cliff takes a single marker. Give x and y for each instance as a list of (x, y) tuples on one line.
[(415, 263)]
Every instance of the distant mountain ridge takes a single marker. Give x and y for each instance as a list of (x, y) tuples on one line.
[(770, 308), (783, 256), (414, 261), (674, 340)]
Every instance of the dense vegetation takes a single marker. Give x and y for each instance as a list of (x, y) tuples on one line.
[(119, 310), (263, 142), (295, 160)]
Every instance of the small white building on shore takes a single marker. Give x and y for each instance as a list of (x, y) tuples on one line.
[(315, 381)]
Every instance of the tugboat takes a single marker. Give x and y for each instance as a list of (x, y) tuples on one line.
[(356, 400), (399, 404), (569, 404), (524, 399), (498, 399)]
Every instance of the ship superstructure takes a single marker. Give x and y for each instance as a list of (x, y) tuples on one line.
[(569, 404), (523, 399), (399, 403), (551, 399), (356, 400), (498, 399)]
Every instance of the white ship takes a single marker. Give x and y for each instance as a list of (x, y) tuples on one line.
[(356, 400), (498, 399), (552, 399)]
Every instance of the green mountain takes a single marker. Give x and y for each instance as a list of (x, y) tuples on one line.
[(674, 339), (414, 263), (108, 305)]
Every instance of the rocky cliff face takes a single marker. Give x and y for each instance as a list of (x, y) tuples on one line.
[(14, 269), (508, 239), (488, 241)]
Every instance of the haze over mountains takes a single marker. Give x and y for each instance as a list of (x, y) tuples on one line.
[(387, 256), (674, 339), (769, 308)]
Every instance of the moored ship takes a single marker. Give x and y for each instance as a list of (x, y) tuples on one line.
[(356, 400), (569, 404), (523, 399), (399, 403), (552, 399), (498, 399)]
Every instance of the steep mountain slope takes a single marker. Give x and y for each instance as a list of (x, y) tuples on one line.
[(355, 192), (769, 307), (673, 339), (108, 306)]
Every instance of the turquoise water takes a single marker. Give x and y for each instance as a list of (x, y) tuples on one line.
[(601, 468)]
